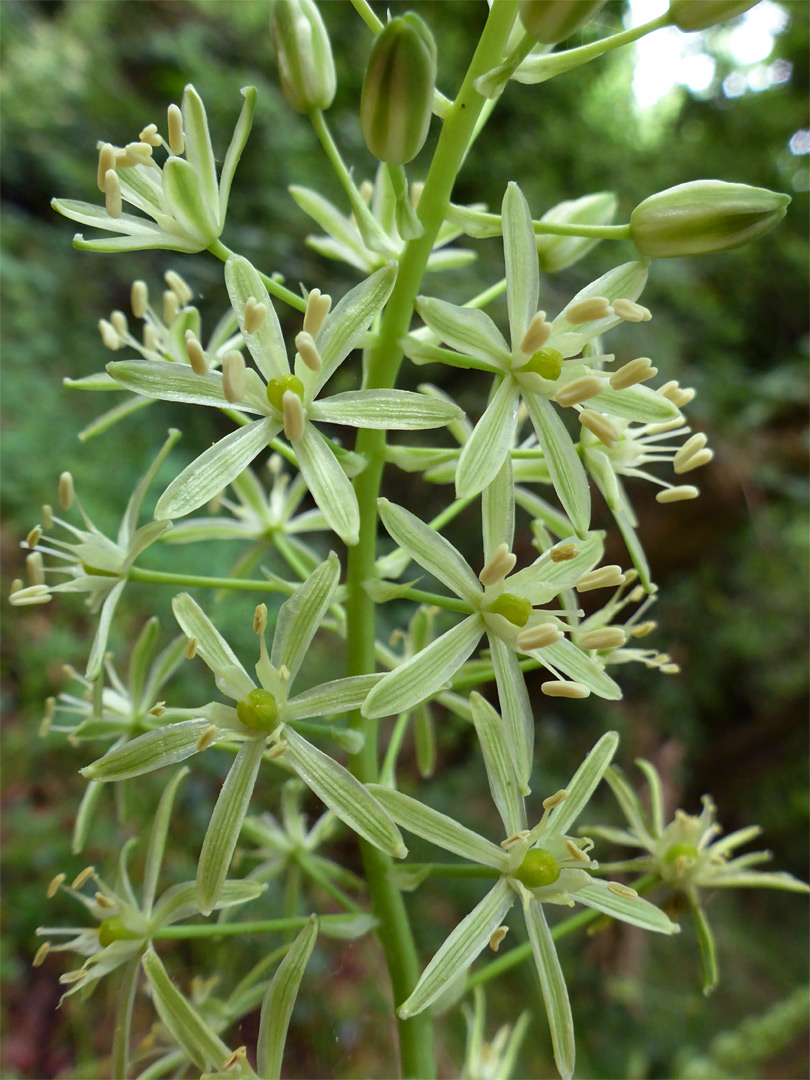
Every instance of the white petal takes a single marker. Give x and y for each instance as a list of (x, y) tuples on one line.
[(300, 617), (522, 265), (552, 983), (564, 466), (394, 410), (491, 440), (330, 487)]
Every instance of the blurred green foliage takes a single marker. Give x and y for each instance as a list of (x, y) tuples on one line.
[(731, 567)]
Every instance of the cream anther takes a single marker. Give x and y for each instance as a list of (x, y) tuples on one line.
[(576, 853), (177, 140), (625, 891), (158, 709), (565, 689), (670, 669), (123, 160), (667, 425), (497, 937), (233, 376), (604, 577), (195, 354), (555, 799), (45, 722), (109, 336), (150, 135), (151, 339), (701, 457), (678, 395), (276, 751), (682, 461), (66, 491), (599, 426), (141, 151), (563, 552), (606, 637), (119, 323), (83, 877), (587, 386), (255, 314), (53, 887), (34, 536), (236, 1057), (106, 161), (538, 637), (139, 299), (171, 306), (40, 954), (366, 190), (510, 841), (630, 311), (318, 305), (112, 193), (35, 568), (47, 516), (103, 901), (677, 494), (536, 335), (643, 628), (637, 371), (191, 648), (308, 351), (593, 307), (71, 977), (207, 737), (293, 414), (498, 566), (417, 187), (260, 619), (178, 286), (33, 594)]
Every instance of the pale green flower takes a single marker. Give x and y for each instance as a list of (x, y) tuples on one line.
[(184, 199), (537, 866), (494, 1060), (689, 854), (93, 563), (264, 716)]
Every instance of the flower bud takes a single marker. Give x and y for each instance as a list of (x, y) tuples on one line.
[(305, 64), (397, 97), (703, 217), (559, 252), (690, 15), (550, 21)]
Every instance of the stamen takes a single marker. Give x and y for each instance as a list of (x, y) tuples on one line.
[(47, 516), (178, 286), (45, 722), (104, 901), (510, 841), (141, 151), (66, 491), (417, 187), (158, 709), (565, 689), (691, 447), (637, 371), (83, 877), (233, 376), (644, 628), (318, 305), (293, 413), (151, 338), (35, 568), (112, 194), (576, 853), (123, 160), (191, 648), (195, 353), (497, 936), (563, 552), (702, 457), (536, 335), (276, 751), (255, 314), (678, 395), (308, 351), (171, 306), (106, 161), (119, 323), (109, 335), (599, 426), (53, 888), (366, 190), (207, 738), (237, 1057), (139, 299), (677, 494), (150, 135), (670, 669), (593, 307), (260, 619), (604, 577), (581, 389), (555, 799), (625, 891), (606, 637), (34, 537), (40, 954), (177, 140), (630, 311), (33, 594), (498, 566), (538, 637), (71, 977)]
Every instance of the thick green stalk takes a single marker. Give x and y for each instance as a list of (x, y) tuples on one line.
[(416, 1034)]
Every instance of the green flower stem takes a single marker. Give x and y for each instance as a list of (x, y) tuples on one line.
[(195, 581), (487, 296), (274, 287), (486, 673), (312, 870), (416, 1034), (452, 870), (542, 228), (263, 926), (389, 765), (557, 63)]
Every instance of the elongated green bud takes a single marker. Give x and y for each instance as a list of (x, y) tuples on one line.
[(690, 15), (550, 21), (305, 64), (397, 97), (703, 217), (559, 252)]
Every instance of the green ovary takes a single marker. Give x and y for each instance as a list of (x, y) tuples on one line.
[(516, 609), (546, 363), (679, 850), (539, 867), (259, 711), (277, 388), (113, 929)]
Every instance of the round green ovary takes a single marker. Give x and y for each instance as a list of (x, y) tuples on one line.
[(259, 711), (545, 362), (539, 867), (113, 929), (277, 388), (678, 850), (516, 609)]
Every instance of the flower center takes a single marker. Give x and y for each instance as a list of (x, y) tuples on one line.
[(277, 388), (546, 363), (679, 851), (539, 867), (113, 929), (259, 711), (516, 609)]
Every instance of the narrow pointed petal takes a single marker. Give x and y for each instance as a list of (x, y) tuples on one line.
[(629, 909), (468, 330), (212, 648), (226, 823), (577, 665), (237, 145), (638, 403), (498, 511), (492, 439), (180, 901), (157, 840), (468, 939), (170, 381), (344, 327), (443, 831), (626, 281), (98, 218), (424, 674), (518, 719), (140, 241), (385, 410), (300, 617), (503, 781), (522, 264), (583, 783), (344, 795), (328, 484), (552, 984), (278, 1002), (199, 152), (129, 521), (431, 550), (215, 468), (190, 208), (565, 468), (153, 750), (332, 698), (266, 345), (630, 805), (99, 646)]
